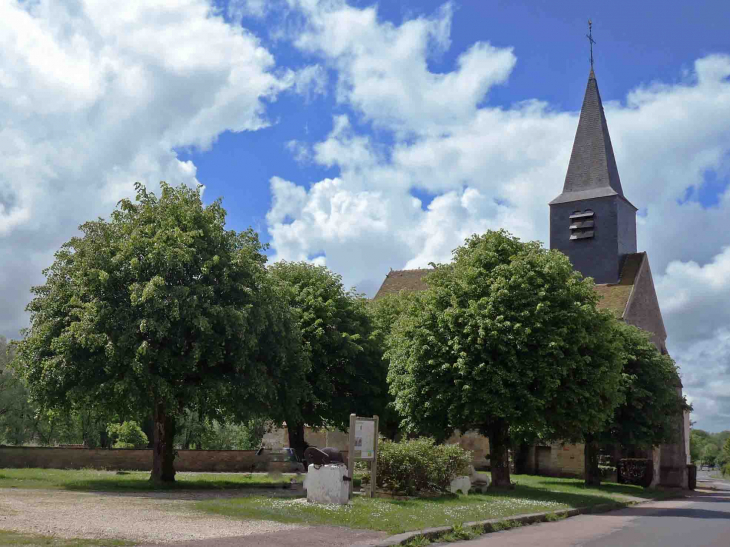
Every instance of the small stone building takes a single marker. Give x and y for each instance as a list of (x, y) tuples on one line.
[(594, 224)]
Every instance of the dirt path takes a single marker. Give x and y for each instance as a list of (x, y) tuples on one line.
[(144, 518)]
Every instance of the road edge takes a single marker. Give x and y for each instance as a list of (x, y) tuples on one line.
[(498, 524)]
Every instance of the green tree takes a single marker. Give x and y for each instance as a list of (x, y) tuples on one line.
[(127, 435), (18, 417), (726, 451), (384, 313), (160, 308), (697, 440), (709, 454), (505, 331), (347, 373), (651, 398)]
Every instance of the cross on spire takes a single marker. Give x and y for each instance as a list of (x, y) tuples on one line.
[(590, 39)]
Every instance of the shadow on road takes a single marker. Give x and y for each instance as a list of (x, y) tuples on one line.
[(670, 512)]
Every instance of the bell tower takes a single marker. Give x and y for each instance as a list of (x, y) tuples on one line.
[(591, 221)]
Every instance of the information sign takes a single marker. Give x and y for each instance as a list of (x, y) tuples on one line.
[(363, 446), (364, 439)]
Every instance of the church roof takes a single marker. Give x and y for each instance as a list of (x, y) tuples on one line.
[(403, 280), (592, 171), (614, 296)]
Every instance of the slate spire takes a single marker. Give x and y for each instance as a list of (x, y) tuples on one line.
[(592, 170)]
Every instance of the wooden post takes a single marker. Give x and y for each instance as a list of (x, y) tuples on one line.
[(374, 463), (351, 454)]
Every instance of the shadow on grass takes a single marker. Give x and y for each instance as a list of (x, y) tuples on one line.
[(144, 485), (610, 488), (572, 499)]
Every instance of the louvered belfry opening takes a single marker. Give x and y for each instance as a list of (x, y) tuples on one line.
[(582, 224)]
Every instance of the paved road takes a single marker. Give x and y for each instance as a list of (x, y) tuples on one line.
[(700, 520)]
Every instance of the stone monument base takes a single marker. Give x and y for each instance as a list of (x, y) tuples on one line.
[(327, 484)]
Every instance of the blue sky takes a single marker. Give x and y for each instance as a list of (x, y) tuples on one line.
[(370, 136), (637, 43)]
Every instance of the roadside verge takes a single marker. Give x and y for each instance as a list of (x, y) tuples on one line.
[(498, 524)]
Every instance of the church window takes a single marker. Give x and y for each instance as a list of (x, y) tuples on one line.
[(582, 224)]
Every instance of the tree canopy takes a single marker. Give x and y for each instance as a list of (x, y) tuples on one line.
[(162, 308), (347, 373), (504, 332), (650, 387)]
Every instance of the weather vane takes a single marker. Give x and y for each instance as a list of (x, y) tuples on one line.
[(590, 39)]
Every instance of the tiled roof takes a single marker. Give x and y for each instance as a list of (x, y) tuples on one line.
[(592, 170), (403, 280), (614, 296)]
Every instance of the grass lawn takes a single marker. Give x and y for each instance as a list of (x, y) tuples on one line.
[(111, 481), (15, 538), (533, 494)]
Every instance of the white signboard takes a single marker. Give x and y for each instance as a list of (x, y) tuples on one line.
[(365, 439)]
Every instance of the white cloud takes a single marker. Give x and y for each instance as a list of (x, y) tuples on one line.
[(311, 81), (95, 95), (238, 9), (499, 167), (383, 70)]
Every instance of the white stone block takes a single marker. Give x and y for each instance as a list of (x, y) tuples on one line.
[(480, 481), (327, 484), (462, 484)]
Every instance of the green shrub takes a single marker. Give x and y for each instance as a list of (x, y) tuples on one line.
[(726, 470), (420, 465), (127, 435)]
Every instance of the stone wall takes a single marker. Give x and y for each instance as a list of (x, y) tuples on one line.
[(557, 460), (231, 461), (476, 443), (279, 438), (568, 460)]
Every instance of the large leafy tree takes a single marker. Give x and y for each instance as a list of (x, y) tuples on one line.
[(505, 331), (645, 401), (384, 313), (652, 400), (347, 372), (161, 308)]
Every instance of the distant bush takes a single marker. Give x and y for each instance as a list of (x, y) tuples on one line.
[(726, 470), (638, 471), (127, 435), (420, 465)]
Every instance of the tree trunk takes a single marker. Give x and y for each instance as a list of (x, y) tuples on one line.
[(499, 454), (163, 451), (591, 452), (296, 438)]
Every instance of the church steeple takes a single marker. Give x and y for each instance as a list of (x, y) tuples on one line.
[(592, 170), (591, 221)]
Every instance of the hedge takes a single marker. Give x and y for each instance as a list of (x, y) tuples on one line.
[(420, 465)]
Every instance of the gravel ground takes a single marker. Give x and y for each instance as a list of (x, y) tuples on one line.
[(150, 517)]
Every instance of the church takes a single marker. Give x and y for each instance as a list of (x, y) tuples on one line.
[(594, 224)]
